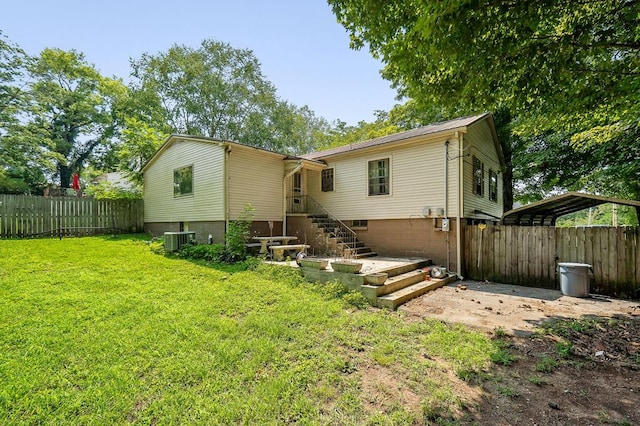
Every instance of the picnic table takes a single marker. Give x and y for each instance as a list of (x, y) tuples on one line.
[(265, 240)]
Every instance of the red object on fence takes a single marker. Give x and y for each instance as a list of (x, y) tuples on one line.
[(75, 184)]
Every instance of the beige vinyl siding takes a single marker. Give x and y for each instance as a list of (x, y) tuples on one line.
[(479, 142), (206, 203), (255, 177), (417, 182)]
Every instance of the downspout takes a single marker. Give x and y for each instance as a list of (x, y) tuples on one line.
[(446, 198), (225, 172), (460, 205), (284, 197)]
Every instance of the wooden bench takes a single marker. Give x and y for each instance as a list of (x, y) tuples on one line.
[(278, 251)]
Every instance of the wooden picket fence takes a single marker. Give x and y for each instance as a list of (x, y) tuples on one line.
[(25, 216), (529, 255)]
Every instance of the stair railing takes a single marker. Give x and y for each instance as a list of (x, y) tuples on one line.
[(344, 233)]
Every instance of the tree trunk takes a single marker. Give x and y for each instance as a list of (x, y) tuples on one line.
[(502, 120), (65, 176), (507, 180)]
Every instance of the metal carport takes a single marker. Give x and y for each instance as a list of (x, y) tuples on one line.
[(546, 212)]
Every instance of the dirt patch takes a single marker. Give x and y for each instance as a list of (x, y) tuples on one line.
[(577, 361), (518, 310)]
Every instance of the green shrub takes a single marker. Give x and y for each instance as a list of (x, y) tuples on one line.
[(333, 289), (156, 246), (209, 253), (237, 236), (356, 299)]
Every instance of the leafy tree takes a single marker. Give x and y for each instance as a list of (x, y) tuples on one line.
[(109, 191), (521, 54), (139, 142), (568, 73), (219, 91), (343, 134), (402, 117), (16, 175), (69, 119), (12, 63)]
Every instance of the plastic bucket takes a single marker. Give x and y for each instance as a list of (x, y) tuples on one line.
[(574, 279)]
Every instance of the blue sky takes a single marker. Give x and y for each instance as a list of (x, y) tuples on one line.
[(304, 52)]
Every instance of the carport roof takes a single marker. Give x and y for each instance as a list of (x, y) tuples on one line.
[(545, 212)]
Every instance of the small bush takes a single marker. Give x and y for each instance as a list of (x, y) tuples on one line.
[(209, 253), (333, 289), (356, 299), (252, 263), (237, 236), (156, 246)]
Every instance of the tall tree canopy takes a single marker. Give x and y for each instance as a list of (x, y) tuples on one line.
[(68, 119), (568, 72), (219, 91), (15, 176)]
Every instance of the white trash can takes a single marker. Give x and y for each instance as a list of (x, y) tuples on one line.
[(574, 279)]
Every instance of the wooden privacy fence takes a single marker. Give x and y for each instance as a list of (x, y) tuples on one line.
[(529, 255), (24, 216)]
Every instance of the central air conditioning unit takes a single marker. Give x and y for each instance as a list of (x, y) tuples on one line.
[(173, 241)]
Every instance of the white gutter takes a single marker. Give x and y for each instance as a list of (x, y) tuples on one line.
[(460, 204), (284, 196)]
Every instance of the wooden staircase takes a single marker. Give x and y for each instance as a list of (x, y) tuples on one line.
[(404, 283), (341, 237)]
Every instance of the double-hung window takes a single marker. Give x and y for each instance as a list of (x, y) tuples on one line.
[(379, 177), (327, 180), (478, 176)]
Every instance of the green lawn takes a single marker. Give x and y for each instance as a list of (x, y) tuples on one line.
[(102, 331)]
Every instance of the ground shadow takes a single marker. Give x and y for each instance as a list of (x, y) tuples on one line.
[(511, 290)]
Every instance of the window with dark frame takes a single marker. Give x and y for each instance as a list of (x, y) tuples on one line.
[(359, 223), (493, 186), (478, 176), (379, 177), (327, 180), (183, 181)]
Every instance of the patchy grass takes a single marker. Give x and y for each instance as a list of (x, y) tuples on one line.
[(546, 365), (101, 330)]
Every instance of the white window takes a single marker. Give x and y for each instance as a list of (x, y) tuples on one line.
[(183, 181), (379, 177)]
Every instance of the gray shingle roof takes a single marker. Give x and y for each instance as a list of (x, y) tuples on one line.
[(420, 131)]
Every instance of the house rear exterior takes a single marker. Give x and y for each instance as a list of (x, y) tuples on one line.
[(409, 194), (200, 184)]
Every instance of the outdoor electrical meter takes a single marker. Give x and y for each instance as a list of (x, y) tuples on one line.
[(445, 225)]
